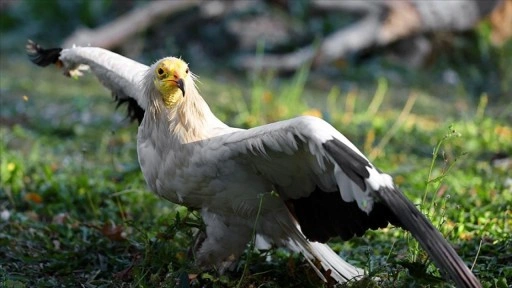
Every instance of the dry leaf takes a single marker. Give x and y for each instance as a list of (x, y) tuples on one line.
[(113, 232), (33, 197)]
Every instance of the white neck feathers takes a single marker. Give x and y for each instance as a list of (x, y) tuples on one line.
[(189, 120)]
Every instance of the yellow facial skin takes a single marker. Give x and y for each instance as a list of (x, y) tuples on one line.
[(170, 77)]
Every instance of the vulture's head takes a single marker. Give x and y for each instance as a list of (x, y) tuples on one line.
[(170, 77)]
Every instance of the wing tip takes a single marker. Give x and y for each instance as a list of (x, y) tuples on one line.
[(42, 57), (438, 248)]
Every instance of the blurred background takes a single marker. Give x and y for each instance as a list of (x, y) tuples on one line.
[(401, 79), (462, 46), (456, 51)]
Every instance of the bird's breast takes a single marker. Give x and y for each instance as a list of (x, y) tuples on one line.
[(195, 176)]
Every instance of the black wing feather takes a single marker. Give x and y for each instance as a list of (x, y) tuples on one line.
[(40, 56), (133, 110), (323, 215)]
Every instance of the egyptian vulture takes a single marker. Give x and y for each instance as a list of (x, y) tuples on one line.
[(311, 181)]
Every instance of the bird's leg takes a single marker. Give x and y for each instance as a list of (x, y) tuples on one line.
[(226, 239), (198, 242)]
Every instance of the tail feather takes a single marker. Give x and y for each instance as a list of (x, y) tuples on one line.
[(439, 250), (332, 263), (340, 270)]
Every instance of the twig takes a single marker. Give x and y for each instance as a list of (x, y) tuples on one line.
[(118, 31), (477, 254)]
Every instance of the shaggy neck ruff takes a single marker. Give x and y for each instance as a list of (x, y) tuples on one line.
[(189, 119)]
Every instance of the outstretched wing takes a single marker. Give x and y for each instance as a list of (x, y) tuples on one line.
[(121, 75), (332, 189)]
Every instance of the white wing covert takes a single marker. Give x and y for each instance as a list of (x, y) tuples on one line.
[(307, 146)]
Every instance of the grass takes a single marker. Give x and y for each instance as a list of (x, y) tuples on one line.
[(76, 211)]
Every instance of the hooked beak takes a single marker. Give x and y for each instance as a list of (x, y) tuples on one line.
[(181, 85)]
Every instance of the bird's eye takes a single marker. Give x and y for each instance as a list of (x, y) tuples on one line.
[(160, 71), (186, 71)]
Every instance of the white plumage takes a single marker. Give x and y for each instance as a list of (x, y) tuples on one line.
[(325, 186)]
